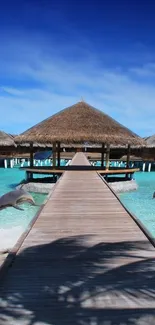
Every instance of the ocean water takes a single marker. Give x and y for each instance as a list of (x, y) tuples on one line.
[(12, 221), (140, 202)]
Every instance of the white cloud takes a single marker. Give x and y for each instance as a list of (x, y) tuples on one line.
[(39, 84), (146, 70)]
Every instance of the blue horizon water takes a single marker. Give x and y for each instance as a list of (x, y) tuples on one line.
[(140, 202)]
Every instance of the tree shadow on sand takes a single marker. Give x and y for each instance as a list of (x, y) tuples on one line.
[(70, 282)]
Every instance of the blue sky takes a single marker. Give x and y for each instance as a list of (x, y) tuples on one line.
[(52, 53)]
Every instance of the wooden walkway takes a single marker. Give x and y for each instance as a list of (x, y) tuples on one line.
[(84, 262)]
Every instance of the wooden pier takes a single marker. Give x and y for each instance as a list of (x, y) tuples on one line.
[(85, 261)]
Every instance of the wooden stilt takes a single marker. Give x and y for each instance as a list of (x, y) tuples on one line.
[(30, 175), (54, 154), (128, 156), (79, 150), (31, 154), (58, 150), (107, 156), (102, 155)]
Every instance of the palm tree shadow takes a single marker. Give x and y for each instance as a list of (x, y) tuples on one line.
[(69, 281)]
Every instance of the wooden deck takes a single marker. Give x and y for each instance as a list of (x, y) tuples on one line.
[(84, 262)]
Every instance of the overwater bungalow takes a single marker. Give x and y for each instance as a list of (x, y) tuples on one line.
[(7, 149), (150, 141), (150, 147), (6, 142), (80, 127)]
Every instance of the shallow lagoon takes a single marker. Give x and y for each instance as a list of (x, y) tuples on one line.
[(13, 222), (140, 202)]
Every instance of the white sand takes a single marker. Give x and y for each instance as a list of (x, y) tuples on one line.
[(9, 237), (125, 186)]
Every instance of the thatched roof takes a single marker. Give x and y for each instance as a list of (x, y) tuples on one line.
[(150, 141), (78, 124), (6, 140)]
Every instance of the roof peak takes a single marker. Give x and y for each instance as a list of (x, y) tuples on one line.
[(82, 100)]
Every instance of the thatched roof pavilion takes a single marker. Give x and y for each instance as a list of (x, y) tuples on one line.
[(6, 140), (78, 124), (83, 125), (149, 151), (150, 141)]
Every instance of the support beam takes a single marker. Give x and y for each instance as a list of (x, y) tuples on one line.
[(107, 156), (54, 154), (102, 155), (31, 154), (58, 150), (128, 156)]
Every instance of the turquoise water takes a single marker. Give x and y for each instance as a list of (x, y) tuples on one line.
[(140, 202), (11, 217), (13, 222)]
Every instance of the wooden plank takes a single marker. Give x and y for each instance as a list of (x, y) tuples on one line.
[(85, 261), (62, 170)]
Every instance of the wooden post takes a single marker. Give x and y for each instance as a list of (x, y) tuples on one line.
[(107, 156), (102, 155), (31, 154), (128, 156), (58, 147), (54, 154), (79, 149)]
